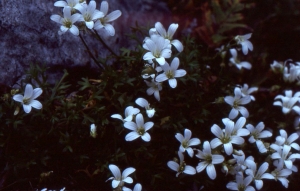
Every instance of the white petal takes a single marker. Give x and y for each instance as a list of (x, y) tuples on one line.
[(173, 165), (142, 102), (130, 125), (113, 15), (104, 7), (28, 91), (233, 113), (128, 180), (215, 143), (18, 98), (211, 171), (115, 171), (27, 108), (146, 137), (172, 83), (132, 136), (217, 159), (189, 170), (36, 93), (178, 45), (36, 104), (110, 29), (179, 73), (228, 148), (128, 171), (74, 30), (201, 166)]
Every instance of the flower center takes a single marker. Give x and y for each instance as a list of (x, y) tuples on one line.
[(208, 159), (225, 139), (170, 74), (184, 144), (241, 187), (236, 104), (181, 167), (140, 130), (87, 17), (67, 23), (26, 101)]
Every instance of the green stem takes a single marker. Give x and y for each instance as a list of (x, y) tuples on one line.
[(104, 44), (90, 53)]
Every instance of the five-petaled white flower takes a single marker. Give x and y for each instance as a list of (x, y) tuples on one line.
[(119, 179), (258, 133), (246, 91), (170, 73), (235, 61), (181, 167), (139, 129), (28, 100), (67, 22), (225, 137), (160, 29), (288, 101), (246, 44), (283, 139), (103, 22), (144, 103), (258, 175), (208, 160), (241, 184), (159, 48), (283, 155), (67, 3), (154, 88), (129, 113), (186, 142), (89, 13), (281, 173), (236, 103)]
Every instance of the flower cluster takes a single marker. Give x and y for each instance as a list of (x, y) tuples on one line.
[(139, 128), (159, 47), (81, 16)]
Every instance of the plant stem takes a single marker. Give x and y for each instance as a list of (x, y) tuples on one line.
[(104, 44), (90, 53)]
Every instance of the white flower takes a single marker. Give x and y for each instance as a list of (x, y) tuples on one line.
[(129, 112), (283, 139), (89, 13), (283, 154), (235, 61), (154, 88), (291, 71), (257, 133), (170, 73), (181, 167), (246, 44), (139, 129), (159, 48), (281, 174), (241, 184), (144, 103), (288, 101), (160, 29), (246, 91), (67, 3), (208, 160), (225, 138), (28, 100), (260, 174), (236, 103), (242, 163), (103, 22), (67, 22), (186, 142), (119, 178), (238, 129), (93, 131)]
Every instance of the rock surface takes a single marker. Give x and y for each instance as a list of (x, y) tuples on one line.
[(27, 35)]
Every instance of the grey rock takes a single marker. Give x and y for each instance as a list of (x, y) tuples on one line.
[(27, 35)]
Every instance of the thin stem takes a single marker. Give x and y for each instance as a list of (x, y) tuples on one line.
[(104, 44), (90, 53)]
